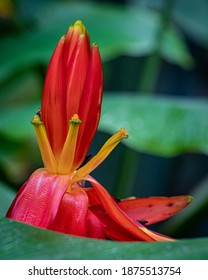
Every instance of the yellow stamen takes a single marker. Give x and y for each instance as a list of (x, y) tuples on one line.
[(44, 145), (109, 145), (67, 154)]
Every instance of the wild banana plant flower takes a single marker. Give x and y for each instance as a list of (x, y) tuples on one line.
[(55, 197)]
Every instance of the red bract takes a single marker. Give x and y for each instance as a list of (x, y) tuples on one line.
[(54, 196)]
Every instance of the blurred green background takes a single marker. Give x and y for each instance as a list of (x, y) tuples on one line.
[(155, 63)]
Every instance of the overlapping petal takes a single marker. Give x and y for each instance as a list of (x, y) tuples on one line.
[(113, 210), (90, 105), (150, 210), (38, 200), (72, 213), (135, 209), (53, 109)]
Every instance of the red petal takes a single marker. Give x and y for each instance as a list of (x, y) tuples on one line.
[(10, 210), (76, 75), (54, 101), (151, 210), (92, 196), (38, 200), (112, 230), (90, 106), (71, 40), (72, 213), (95, 228), (113, 210)]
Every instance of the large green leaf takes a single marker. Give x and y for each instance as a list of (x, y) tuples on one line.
[(190, 15), (16, 122), (20, 99), (22, 88), (7, 195), (158, 125), (116, 30), (174, 49), (19, 241)]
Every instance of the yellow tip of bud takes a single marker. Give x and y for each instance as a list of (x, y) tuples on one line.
[(79, 26), (78, 22)]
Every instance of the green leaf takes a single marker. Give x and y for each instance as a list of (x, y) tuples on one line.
[(16, 122), (20, 241), (120, 31), (191, 16), (158, 125), (20, 99), (174, 49), (21, 89), (6, 197)]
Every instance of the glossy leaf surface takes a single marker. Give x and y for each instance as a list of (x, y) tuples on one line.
[(19, 241), (162, 126)]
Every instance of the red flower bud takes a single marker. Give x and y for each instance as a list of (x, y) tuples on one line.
[(73, 85)]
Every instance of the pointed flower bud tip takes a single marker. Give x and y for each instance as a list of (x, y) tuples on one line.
[(79, 27)]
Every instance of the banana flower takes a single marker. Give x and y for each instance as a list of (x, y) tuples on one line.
[(55, 197)]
